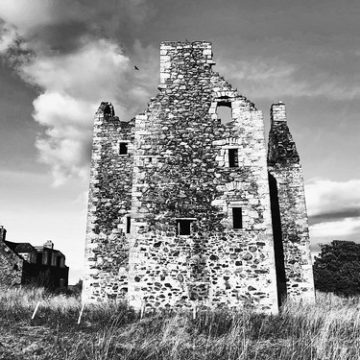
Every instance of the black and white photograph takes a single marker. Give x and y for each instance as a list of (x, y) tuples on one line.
[(179, 180)]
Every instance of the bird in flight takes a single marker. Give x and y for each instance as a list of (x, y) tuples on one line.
[(136, 68)]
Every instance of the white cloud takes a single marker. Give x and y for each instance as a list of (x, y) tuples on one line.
[(30, 16), (68, 133), (94, 69), (278, 79), (26, 14), (342, 229), (327, 196), (334, 210), (8, 35), (72, 83), (347, 229)]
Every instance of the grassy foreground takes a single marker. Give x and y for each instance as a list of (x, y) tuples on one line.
[(328, 330)]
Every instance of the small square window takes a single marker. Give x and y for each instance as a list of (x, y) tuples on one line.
[(183, 226), (233, 158), (123, 148), (237, 218)]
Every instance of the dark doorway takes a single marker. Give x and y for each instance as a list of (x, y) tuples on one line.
[(278, 244)]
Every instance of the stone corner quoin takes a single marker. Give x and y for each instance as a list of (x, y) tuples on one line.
[(187, 209)]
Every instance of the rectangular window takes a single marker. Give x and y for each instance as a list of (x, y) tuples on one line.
[(237, 218), (233, 158), (128, 224), (47, 258), (123, 148), (183, 227)]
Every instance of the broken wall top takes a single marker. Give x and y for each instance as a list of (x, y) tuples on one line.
[(281, 149)]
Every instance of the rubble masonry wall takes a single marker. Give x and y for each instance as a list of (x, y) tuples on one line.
[(177, 167)]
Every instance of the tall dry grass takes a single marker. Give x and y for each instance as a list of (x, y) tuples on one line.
[(328, 330)]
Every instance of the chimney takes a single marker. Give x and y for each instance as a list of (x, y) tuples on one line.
[(173, 53), (49, 244), (2, 233), (278, 112)]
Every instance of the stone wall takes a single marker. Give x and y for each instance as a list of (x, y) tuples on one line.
[(178, 164), (10, 265), (109, 202), (287, 183)]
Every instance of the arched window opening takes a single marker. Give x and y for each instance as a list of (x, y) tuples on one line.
[(224, 113)]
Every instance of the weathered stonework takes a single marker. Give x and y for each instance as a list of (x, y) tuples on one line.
[(179, 210), (10, 264), (285, 178)]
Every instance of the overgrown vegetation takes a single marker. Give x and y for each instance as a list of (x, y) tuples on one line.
[(328, 330), (337, 268)]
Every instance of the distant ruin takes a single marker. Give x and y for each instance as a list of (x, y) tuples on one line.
[(25, 264), (185, 207)]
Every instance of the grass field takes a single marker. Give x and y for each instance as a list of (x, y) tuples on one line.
[(328, 330)]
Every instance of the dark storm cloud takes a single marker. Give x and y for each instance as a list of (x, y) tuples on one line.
[(60, 24), (334, 210), (65, 37), (68, 50), (334, 215)]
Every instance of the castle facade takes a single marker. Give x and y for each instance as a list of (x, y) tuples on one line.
[(187, 208)]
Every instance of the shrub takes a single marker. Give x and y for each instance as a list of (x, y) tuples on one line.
[(337, 268)]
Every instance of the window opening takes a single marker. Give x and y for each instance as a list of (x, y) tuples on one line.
[(109, 110), (49, 258), (183, 226), (123, 148), (237, 218), (233, 158), (224, 113), (128, 224)]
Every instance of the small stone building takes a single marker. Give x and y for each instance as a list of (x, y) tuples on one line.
[(186, 208), (24, 264)]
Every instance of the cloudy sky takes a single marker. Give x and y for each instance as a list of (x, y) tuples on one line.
[(61, 58)]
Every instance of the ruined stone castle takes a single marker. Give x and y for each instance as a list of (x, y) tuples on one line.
[(186, 209)]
